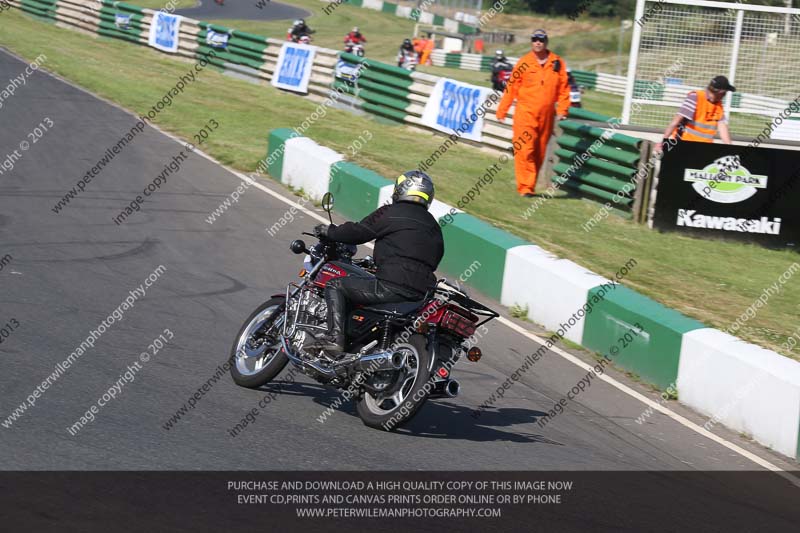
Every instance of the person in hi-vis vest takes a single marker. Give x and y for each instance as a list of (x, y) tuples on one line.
[(701, 116)]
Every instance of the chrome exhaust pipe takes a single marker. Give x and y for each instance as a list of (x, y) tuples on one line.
[(324, 372), (452, 388), (380, 361)]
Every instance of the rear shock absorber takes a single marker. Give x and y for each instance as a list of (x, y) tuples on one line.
[(385, 335)]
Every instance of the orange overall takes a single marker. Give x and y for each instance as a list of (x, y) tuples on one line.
[(537, 89), (426, 52)]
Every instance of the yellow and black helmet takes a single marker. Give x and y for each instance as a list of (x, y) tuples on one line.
[(413, 186)]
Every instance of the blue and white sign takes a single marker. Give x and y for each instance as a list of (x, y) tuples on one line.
[(217, 40), (456, 107), (165, 31), (347, 71), (122, 21), (293, 69)]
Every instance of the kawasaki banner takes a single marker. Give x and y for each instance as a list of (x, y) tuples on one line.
[(165, 32), (456, 107), (293, 70), (717, 190)]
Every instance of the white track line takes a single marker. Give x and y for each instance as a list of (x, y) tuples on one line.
[(569, 357)]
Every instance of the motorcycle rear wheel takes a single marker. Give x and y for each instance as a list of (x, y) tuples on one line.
[(390, 412), (257, 354)]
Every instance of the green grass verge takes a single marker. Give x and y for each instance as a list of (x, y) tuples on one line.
[(384, 32), (580, 41), (712, 281)]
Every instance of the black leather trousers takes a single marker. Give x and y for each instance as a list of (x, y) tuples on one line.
[(360, 290)]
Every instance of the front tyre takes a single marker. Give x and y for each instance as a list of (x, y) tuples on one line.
[(389, 411), (257, 354)]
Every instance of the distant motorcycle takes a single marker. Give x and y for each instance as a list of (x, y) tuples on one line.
[(305, 38), (575, 90), (397, 354), (352, 47), (500, 79), (407, 60)]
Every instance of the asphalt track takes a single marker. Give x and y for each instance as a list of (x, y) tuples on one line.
[(242, 10), (70, 270)]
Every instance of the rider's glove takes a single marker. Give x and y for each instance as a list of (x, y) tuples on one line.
[(321, 231)]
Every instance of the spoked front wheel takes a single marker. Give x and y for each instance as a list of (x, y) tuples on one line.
[(257, 354), (388, 411)]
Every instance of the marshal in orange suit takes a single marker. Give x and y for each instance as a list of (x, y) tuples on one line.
[(539, 84)]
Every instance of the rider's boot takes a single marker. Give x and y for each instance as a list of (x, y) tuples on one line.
[(333, 341)]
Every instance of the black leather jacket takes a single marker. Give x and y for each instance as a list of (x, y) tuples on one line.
[(408, 243)]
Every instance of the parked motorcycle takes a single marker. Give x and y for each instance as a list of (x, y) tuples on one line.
[(397, 355)]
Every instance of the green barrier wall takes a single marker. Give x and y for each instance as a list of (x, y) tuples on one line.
[(356, 189), (384, 88), (605, 173), (243, 48), (275, 150), (468, 239), (108, 16), (41, 8), (653, 355)]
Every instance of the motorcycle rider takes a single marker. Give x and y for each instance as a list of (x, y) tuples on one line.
[(407, 48), (408, 249), (355, 37), (354, 42), (501, 70), (575, 91), (299, 29)]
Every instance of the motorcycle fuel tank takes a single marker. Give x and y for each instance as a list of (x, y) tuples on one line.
[(338, 269)]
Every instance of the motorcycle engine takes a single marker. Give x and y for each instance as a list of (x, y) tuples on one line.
[(313, 311)]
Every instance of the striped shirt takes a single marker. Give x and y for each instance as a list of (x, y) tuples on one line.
[(690, 106)]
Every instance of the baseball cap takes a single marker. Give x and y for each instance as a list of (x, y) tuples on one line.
[(721, 83)]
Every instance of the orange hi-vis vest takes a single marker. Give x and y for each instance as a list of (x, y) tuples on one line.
[(703, 128)]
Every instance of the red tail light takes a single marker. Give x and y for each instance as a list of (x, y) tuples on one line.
[(457, 323)]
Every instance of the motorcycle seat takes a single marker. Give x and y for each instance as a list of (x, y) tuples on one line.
[(396, 308)]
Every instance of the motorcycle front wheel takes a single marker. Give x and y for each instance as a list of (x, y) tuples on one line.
[(257, 355), (389, 411)]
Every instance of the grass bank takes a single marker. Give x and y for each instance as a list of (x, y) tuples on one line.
[(712, 281)]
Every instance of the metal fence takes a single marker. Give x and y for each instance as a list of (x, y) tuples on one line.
[(756, 47)]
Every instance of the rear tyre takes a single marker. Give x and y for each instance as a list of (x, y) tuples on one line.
[(257, 354), (387, 412)]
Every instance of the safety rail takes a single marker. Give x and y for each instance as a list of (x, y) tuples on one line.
[(413, 13), (600, 164)]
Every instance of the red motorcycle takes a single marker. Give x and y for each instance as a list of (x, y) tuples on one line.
[(397, 355)]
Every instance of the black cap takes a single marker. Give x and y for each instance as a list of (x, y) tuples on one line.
[(721, 83)]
